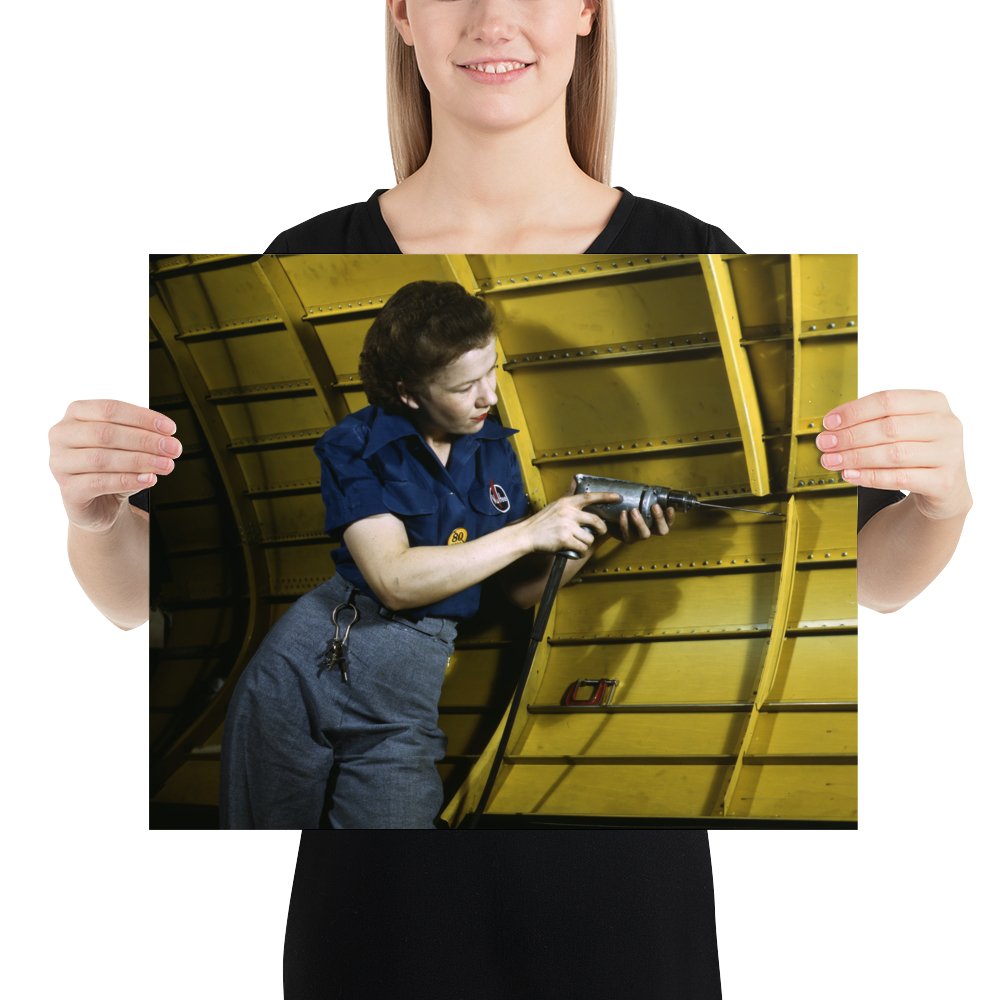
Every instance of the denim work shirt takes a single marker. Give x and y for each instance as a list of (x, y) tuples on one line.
[(375, 462)]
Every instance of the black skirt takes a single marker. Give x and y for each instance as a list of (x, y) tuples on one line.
[(502, 915)]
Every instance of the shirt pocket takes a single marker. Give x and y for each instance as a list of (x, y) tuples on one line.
[(417, 507), (407, 500)]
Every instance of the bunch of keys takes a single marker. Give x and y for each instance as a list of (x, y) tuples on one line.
[(336, 649)]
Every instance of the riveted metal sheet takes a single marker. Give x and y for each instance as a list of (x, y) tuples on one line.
[(826, 520), (654, 308), (218, 303), (342, 342), (829, 289), (162, 264), (824, 329), (625, 402), (701, 540), (328, 284), (508, 272), (625, 605)]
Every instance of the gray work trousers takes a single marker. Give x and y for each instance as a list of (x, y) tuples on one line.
[(304, 750)]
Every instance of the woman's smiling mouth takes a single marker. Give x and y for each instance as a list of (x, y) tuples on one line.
[(495, 67), (496, 71)]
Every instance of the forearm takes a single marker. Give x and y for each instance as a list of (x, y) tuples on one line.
[(425, 574), (113, 567), (900, 551)]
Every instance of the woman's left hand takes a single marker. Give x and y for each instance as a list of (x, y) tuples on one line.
[(633, 527), (903, 439)]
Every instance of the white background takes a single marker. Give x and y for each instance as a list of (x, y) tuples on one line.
[(211, 126)]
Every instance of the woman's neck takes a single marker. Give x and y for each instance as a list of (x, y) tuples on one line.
[(441, 446), (515, 191)]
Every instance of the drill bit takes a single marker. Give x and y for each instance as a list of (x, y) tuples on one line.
[(745, 510)]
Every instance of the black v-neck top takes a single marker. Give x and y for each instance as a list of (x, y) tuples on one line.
[(507, 914), (637, 225)]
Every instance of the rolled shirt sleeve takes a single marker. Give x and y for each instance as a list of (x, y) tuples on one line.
[(351, 490)]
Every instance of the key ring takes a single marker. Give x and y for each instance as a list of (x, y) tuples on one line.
[(335, 655), (335, 614)]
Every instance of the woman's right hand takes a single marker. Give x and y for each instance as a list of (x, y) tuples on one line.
[(103, 451), (564, 524)]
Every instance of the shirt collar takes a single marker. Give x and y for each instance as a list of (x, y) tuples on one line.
[(389, 427)]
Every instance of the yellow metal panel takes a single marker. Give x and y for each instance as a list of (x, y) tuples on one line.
[(342, 342), (282, 468), (817, 667), (626, 605), (700, 540), (267, 420), (826, 522), (216, 301), (824, 329), (644, 790), (263, 359), (625, 403), (824, 597), (586, 734), (829, 377), (333, 285), (805, 733), (605, 309), (658, 673), (829, 288), (786, 791)]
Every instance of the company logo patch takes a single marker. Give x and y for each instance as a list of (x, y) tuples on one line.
[(458, 536), (498, 498)]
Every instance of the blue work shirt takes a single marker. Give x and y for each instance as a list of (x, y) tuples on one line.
[(375, 462)]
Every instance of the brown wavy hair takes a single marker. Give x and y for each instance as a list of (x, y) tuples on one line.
[(590, 100), (423, 327)]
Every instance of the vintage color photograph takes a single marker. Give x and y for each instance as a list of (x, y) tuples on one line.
[(698, 663)]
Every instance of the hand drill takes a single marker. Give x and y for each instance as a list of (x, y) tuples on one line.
[(641, 497)]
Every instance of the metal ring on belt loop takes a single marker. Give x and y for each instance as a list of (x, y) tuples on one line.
[(335, 615)]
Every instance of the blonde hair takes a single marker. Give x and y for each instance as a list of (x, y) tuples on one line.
[(590, 100)]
